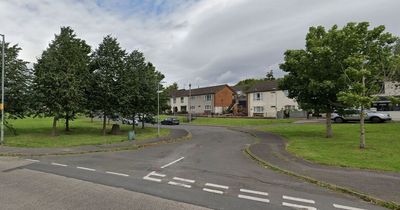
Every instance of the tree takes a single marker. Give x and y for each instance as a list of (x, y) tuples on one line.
[(367, 68), (17, 84), (316, 74), (60, 76), (130, 80), (107, 66), (270, 75)]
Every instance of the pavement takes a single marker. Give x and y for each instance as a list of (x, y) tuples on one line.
[(209, 171), (175, 134), (382, 185)]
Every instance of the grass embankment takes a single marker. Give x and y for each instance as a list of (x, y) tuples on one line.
[(230, 121), (308, 142), (36, 132)]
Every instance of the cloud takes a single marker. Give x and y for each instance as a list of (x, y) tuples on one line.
[(200, 42)]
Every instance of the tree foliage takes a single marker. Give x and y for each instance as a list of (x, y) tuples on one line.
[(60, 76), (107, 68)]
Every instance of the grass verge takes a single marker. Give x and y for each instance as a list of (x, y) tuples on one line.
[(308, 141), (36, 132)]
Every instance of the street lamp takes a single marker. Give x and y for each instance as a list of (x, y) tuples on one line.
[(2, 90), (158, 108), (190, 103)]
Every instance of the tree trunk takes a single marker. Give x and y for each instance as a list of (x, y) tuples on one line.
[(115, 130), (54, 131), (104, 124), (142, 121), (329, 132), (362, 129), (67, 123), (133, 122)]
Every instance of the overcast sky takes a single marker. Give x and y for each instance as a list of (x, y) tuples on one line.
[(203, 42)]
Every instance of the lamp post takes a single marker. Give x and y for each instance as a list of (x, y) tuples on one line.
[(158, 108), (2, 90), (190, 103)]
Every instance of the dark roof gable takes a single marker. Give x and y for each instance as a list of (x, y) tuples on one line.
[(267, 85), (199, 91)]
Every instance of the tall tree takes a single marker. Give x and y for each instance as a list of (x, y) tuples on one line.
[(367, 68), (107, 67), (130, 80), (270, 75), (60, 76), (17, 83)]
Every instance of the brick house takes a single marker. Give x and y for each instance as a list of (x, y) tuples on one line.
[(206, 100)]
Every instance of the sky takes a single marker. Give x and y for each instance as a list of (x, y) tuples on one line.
[(202, 42)]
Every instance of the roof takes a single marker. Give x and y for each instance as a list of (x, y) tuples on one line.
[(267, 85), (200, 91)]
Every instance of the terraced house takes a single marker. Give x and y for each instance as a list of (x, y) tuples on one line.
[(265, 99), (207, 100)]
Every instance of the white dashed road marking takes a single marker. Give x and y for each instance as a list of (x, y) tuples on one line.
[(183, 180), (213, 191), (153, 173), (166, 165), (87, 169), (59, 164), (345, 207), (254, 192), (114, 173), (298, 199), (32, 160), (298, 206), (179, 184), (216, 186), (253, 198)]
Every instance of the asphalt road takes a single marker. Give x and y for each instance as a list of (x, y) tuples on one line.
[(210, 170)]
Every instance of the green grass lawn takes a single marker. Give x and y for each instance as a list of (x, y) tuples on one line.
[(308, 141), (230, 121), (36, 132)]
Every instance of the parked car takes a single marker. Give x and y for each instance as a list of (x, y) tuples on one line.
[(354, 115), (129, 121), (170, 121)]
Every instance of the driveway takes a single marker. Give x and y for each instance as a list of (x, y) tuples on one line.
[(210, 170)]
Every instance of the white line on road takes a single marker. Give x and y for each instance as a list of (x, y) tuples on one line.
[(213, 191), (345, 207), (253, 198), (87, 169), (217, 186), (179, 184), (166, 165), (254, 192), (298, 206), (114, 173), (59, 164), (32, 160), (153, 173), (298, 199), (183, 180)]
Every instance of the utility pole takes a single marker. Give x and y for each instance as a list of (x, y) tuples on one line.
[(2, 90), (158, 109), (190, 103)]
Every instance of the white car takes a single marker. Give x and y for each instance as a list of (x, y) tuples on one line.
[(354, 115), (129, 121)]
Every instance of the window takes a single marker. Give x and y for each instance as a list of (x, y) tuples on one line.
[(182, 99), (193, 97), (207, 97), (174, 99), (258, 109), (207, 107), (257, 96), (192, 107)]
